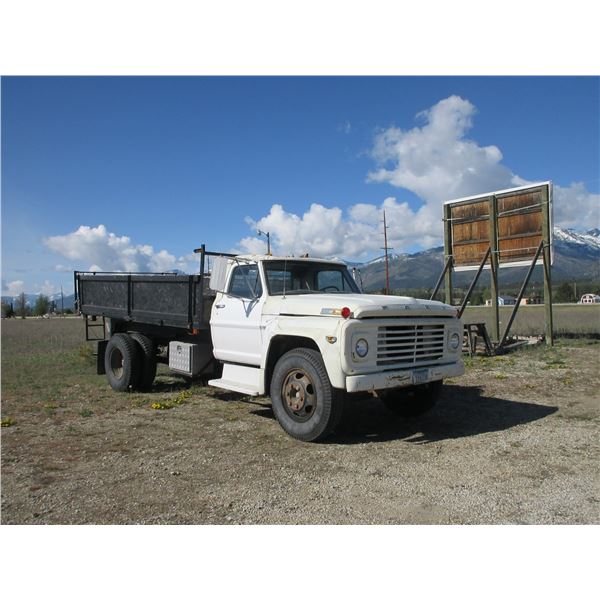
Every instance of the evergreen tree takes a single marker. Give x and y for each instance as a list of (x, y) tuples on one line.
[(7, 310), (42, 304), (564, 293)]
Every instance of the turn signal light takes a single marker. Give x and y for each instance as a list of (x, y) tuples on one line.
[(342, 312)]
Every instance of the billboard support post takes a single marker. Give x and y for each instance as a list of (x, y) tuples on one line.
[(521, 293), (448, 253), (465, 301), (546, 239), (493, 226)]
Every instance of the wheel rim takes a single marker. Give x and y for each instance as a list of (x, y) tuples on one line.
[(299, 395), (116, 363)]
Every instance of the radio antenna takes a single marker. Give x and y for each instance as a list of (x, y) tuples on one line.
[(284, 273)]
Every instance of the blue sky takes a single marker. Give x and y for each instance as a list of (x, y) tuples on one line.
[(165, 164)]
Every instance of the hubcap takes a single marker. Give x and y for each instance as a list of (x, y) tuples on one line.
[(299, 397), (116, 363)]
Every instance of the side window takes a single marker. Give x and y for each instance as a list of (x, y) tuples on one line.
[(331, 281), (245, 282)]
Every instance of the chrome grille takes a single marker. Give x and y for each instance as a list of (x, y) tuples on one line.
[(409, 344)]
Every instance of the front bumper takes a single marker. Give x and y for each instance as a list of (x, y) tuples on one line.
[(402, 377)]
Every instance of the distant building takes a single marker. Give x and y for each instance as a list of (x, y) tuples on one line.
[(531, 300), (502, 301), (589, 299)]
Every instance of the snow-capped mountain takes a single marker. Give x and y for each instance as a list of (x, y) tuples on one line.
[(576, 256), (568, 236)]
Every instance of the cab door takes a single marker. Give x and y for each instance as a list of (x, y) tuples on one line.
[(236, 317)]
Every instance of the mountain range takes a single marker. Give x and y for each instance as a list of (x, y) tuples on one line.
[(576, 257)]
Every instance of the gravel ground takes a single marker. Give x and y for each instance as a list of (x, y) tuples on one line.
[(515, 440)]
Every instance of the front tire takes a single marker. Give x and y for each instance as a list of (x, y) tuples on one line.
[(305, 404), (122, 362), (412, 401)]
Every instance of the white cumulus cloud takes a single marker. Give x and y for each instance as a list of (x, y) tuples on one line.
[(575, 207), (437, 162), (322, 231), (63, 268), (47, 288), (13, 288), (97, 249)]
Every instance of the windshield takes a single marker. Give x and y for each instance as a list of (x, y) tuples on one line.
[(302, 277)]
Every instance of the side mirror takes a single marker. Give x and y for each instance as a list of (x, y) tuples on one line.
[(218, 275)]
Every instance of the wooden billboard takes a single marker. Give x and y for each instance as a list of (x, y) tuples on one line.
[(510, 223)]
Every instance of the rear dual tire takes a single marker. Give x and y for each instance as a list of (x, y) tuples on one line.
[(130, 362), (148, 362), (122, 362)]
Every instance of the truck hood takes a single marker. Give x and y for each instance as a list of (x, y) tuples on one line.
[(360, 305)]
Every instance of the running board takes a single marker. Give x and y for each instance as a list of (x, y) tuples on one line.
[(238, 378)]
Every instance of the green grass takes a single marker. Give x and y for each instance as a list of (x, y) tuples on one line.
[(49, 371)]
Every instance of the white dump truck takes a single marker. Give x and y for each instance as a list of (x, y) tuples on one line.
[(296, 329)]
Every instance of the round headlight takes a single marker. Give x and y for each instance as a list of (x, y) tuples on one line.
[(454, 341), (361, 347)]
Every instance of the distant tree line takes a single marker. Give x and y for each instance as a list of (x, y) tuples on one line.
[(43, 306)]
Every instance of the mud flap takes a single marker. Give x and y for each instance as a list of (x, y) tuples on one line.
[(100, 352)]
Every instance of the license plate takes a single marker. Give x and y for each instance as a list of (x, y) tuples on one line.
[(420, 376)]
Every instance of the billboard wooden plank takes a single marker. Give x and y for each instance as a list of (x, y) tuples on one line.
[(470, 235), (519, 216)]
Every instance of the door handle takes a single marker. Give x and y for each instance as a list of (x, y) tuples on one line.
[(219, 306)]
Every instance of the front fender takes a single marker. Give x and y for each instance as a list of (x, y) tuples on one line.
[(317, 329)]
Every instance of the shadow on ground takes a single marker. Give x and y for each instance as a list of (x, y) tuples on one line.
[(460, 412), (165, 385)]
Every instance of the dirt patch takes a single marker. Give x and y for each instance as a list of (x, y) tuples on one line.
[(515, 440)]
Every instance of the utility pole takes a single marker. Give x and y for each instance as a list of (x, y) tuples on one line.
[(385, 247), (62, 303)]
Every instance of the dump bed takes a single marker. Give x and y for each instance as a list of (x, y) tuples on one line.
[(160, 299)]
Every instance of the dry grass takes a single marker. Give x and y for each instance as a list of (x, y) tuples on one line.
[(49, 370), (514, 440), (569, 319)]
